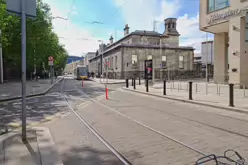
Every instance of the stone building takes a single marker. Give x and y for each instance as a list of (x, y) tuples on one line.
[(69, 68), (126, 57)]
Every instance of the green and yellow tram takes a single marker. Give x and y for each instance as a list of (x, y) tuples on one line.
[(81, 72)]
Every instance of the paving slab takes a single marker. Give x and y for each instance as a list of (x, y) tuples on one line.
[(12, 90), (210, 99), (39, 149), (109, 81)]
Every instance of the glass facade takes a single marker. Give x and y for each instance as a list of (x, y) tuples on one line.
[(217, 4)]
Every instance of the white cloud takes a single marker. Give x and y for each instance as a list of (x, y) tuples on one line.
[(140, 14), (188, 27), (168, 9), (76, 39)]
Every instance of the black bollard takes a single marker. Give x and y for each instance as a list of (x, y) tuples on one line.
[(164, 87), (127, 83), (190, 90), (132, 81), (147, 90), (231, 98), (134, 85), (139, 80)]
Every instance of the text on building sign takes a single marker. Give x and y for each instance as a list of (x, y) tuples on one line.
[(222, 16)]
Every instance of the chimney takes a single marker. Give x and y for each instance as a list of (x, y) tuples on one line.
[(111, 39), (126, 30)]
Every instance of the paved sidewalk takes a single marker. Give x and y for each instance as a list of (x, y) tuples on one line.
[(9, 91), (38, 150), (109, 81), (212, 98)]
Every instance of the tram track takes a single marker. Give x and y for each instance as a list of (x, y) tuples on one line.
[(111, 148), (106, 143), (192, 121), (123, 158)]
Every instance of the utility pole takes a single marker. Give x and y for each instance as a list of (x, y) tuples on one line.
[(23, 29), (206, 56), (161, 65), (34, 60), (23, 9), (1, 61)]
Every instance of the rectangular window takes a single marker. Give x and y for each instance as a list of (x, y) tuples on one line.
[(134, 60), (246, 34), (181, 62), (149, 57), (108, 63), (217, 4), (116, 66), (246, 27), (112, 61), (164, 62)]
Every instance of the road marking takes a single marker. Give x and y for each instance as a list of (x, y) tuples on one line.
[(146, 126), (117, 154), (84, 104), (113, 150)]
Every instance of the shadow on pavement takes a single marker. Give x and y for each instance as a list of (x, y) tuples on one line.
[(89, 155), (37, 108), (14, 151)]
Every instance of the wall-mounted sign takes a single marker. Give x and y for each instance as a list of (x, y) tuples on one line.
[(221, 16), (148, 69)]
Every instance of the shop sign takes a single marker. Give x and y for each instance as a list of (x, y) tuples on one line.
[(218, 17)]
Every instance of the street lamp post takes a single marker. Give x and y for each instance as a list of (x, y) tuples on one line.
[(206, 57), (101, 50), (161, 65)]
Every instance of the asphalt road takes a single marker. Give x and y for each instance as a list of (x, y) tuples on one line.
[(142, 129)]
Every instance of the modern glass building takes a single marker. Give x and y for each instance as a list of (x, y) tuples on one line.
[(227, 20)]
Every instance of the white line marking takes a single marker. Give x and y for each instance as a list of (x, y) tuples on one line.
[(115, 152), (140, 123)]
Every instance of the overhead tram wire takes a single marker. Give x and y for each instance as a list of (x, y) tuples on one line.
[(113, 14), (71, 8)]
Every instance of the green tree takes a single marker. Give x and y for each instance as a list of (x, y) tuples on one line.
[(42, 42)]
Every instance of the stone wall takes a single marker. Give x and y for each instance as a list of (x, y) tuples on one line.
[(116, 64), (172, 57), (171, 40), (136, 39), (123, 67)]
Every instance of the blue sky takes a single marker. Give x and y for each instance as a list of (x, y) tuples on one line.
[(79, 36)]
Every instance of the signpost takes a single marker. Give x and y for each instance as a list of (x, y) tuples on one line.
[(23, 8), (50, 63), (148, 69)]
